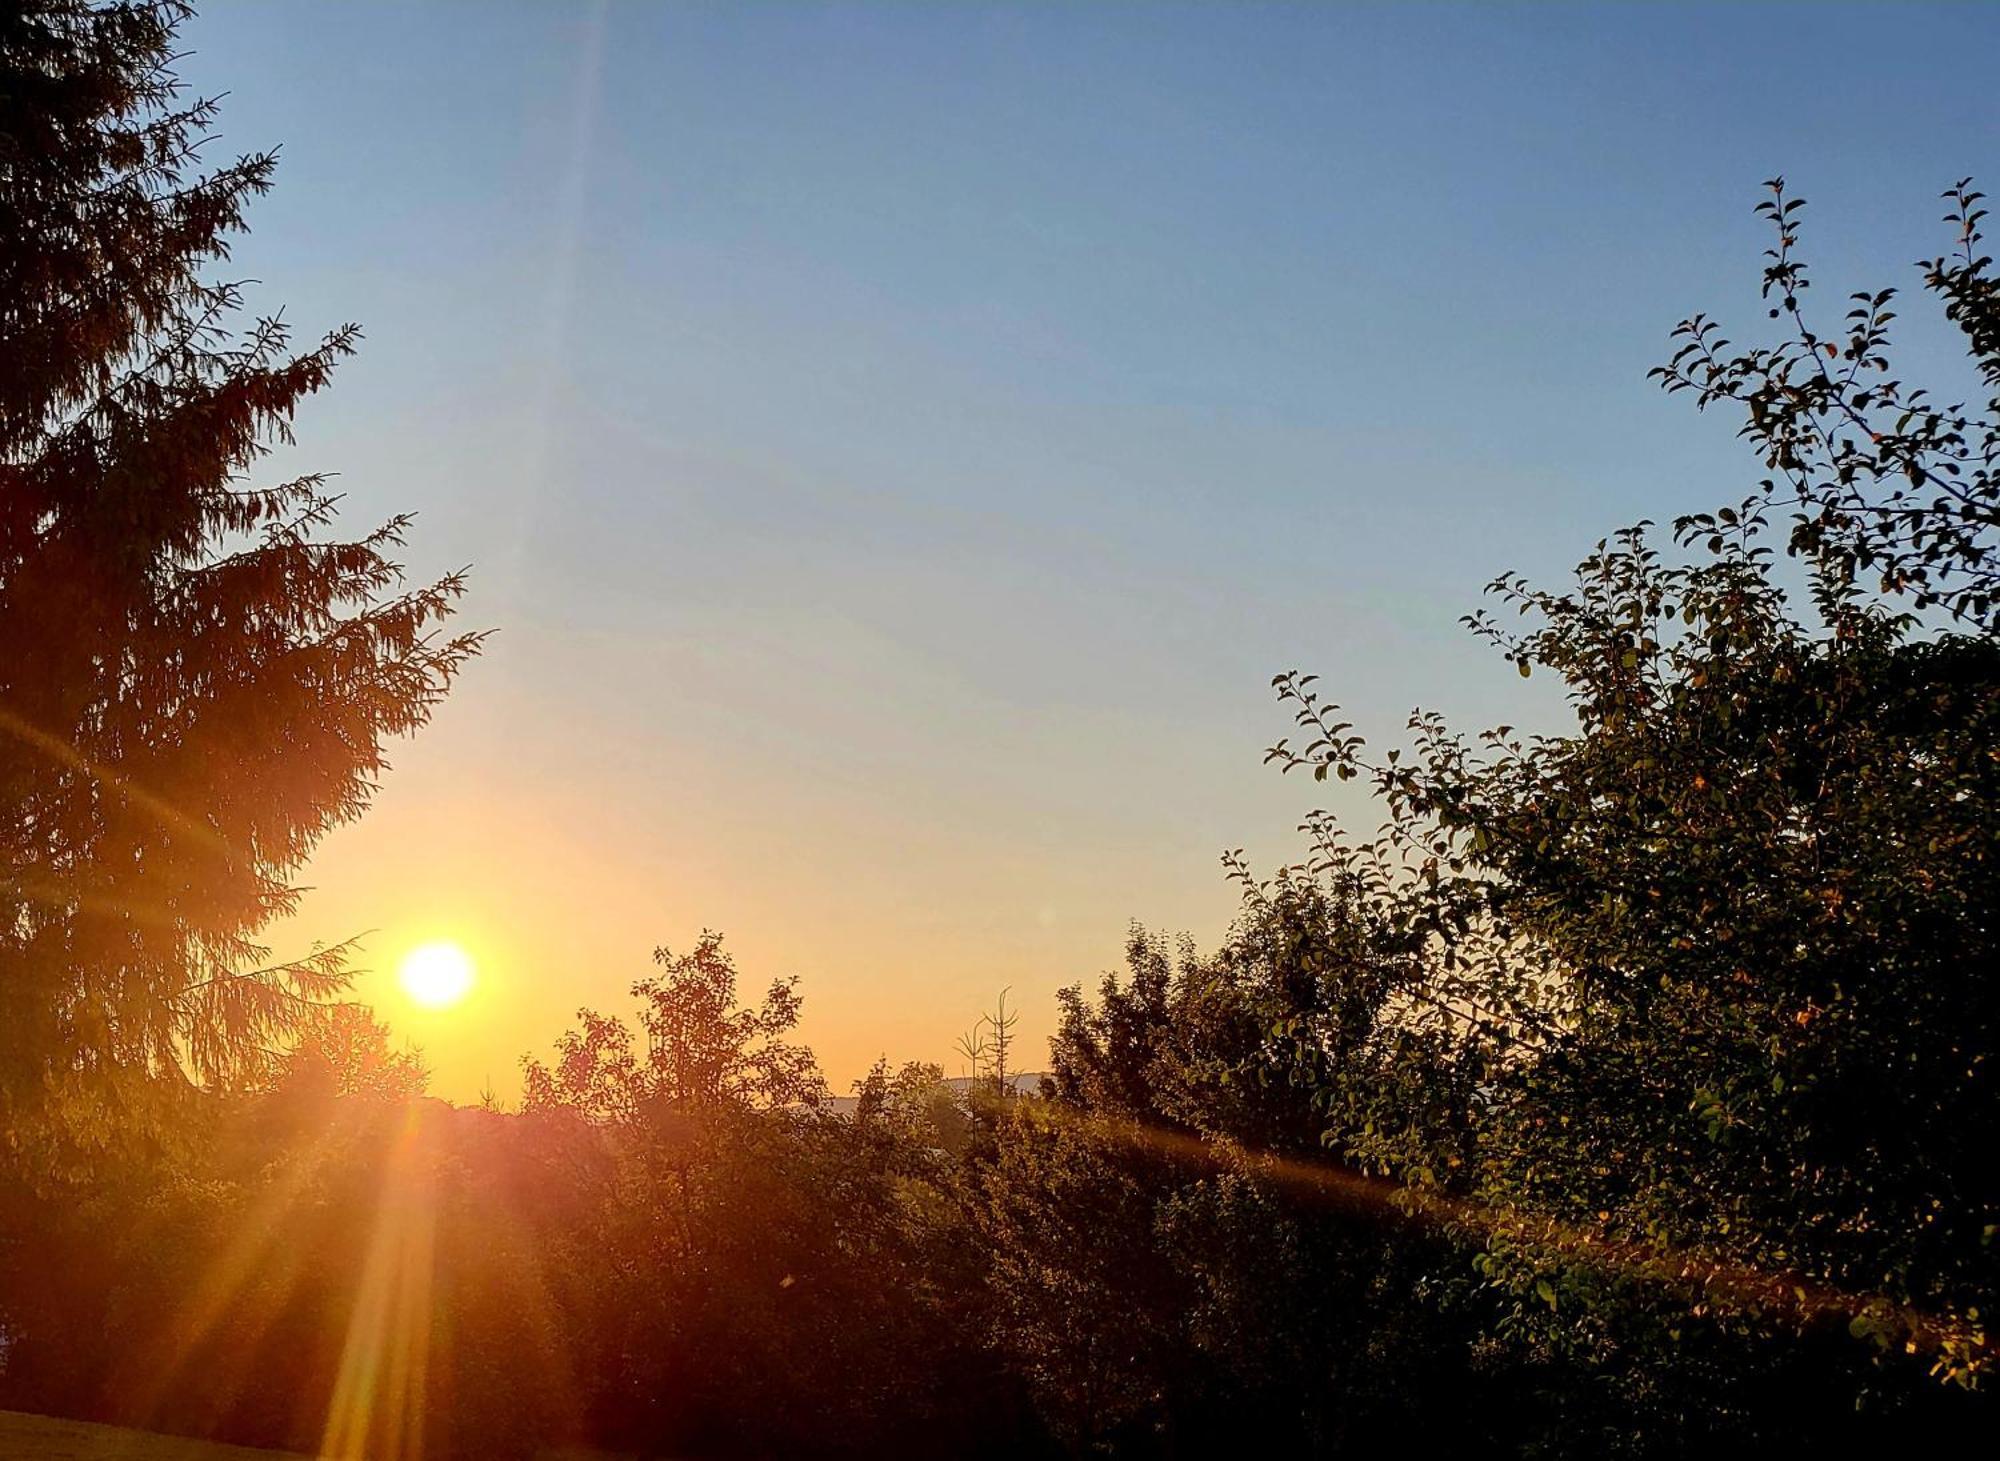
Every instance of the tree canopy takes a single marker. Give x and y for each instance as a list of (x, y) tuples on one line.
[(1717, 960)]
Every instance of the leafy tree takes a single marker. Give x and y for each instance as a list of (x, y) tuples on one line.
[(1721, 951), (1082, 1303), (345, 1051), (692, 1145), (1884, 481), (196, 678), (1296, 1307), (702, 1050), (914, 1107)]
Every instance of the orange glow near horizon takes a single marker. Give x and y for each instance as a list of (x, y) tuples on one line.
[(437, 975)]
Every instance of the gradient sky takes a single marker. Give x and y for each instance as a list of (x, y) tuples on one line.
[(897, 445)]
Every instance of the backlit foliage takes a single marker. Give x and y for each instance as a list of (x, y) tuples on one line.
[(1721, 953), (197, 677)]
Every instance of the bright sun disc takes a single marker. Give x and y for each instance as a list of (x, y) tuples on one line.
[(436, 975)]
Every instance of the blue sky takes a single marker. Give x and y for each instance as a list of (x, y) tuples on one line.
[(898, 444)]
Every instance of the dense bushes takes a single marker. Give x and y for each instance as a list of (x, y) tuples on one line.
[(1172, 1251)]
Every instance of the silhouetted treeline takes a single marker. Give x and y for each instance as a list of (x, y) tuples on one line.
[(677, 1247)]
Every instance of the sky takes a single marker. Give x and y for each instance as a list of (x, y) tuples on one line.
[(897, 445)]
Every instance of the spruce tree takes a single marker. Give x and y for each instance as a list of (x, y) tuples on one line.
[(197, 675)]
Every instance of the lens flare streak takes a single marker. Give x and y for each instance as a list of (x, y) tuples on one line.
[(377, 1408)]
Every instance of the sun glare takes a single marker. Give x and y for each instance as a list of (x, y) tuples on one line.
[(437, 974)]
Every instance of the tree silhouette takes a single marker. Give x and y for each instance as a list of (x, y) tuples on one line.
[(988, 1045), (196, 679), (1719, 954)]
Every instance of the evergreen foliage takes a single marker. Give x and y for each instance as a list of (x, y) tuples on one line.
[(197, 675)]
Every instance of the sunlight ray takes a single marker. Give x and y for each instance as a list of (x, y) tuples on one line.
[(570, 206), (218, 1292), (377, 1407)]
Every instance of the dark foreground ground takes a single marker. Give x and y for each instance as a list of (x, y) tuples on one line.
[(44, 1438), (41, 1438)]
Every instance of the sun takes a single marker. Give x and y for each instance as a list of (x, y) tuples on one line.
[(436, 975)]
